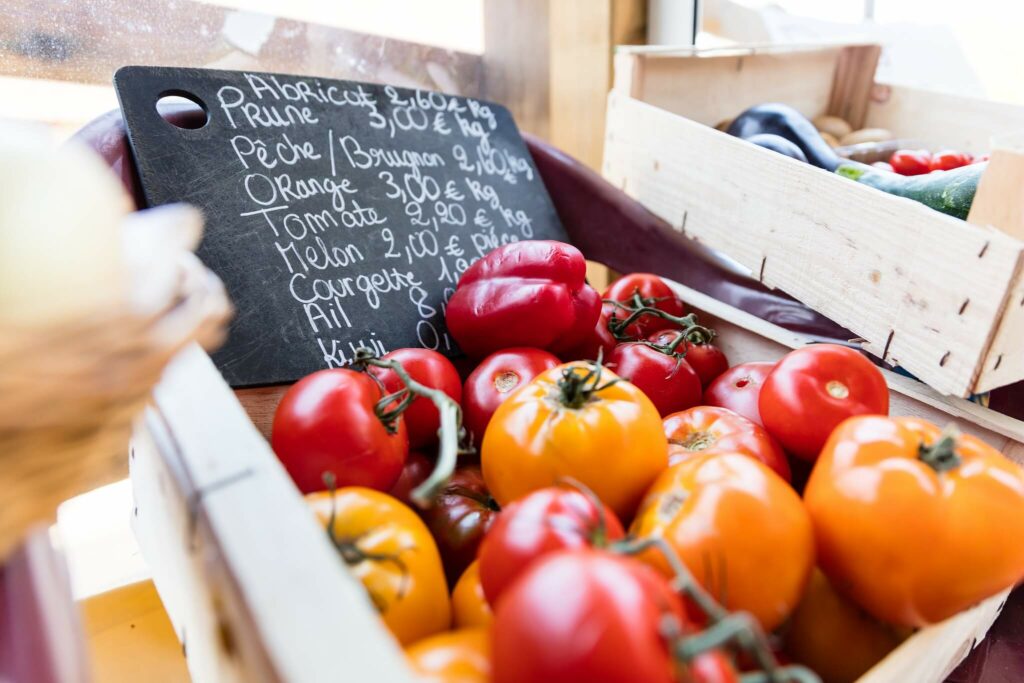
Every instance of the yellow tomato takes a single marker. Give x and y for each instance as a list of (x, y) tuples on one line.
[(469, 605), (738, 527), (462, 656), (580, 421), (835, 637), (389, 549)]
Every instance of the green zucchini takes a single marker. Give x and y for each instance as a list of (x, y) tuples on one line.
[(950, 192)]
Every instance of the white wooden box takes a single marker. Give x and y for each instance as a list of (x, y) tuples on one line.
[(938, 296), (255, 591)]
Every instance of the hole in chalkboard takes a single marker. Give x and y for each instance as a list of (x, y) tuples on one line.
[(182, 109)]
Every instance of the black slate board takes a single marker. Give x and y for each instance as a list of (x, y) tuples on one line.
[(392, 194)]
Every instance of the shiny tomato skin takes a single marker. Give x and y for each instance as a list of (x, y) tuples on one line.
[(326, 422), (417, 469), (911, 161), (612, 442), (470, 608), (708, 430), (940, 537), (461, 656), (541, 522), (947, 160), (649, 287), (707, 360), (371, 530), (740, 529), (617, 602), (431, 369), (813, 389), (739, 389), (494, 380), (670, 382), (459, 518)]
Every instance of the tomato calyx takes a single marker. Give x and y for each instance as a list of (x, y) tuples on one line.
[(941, 456), (576, 390), (691, 331), (451, 432)]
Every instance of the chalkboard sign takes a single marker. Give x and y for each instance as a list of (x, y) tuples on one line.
[(339, 214)]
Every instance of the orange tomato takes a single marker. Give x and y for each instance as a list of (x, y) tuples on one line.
[(711, 430), (834, 637), (469, 605), (390, 550), (462, 656), (579, 421), (912, 524), (738, 527)]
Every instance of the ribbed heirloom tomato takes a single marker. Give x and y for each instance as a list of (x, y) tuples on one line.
[(389, 549), (495, 379), (707, 430), (811, 390), (430, 369), (578, 420), (739, 528), (326, 423), (546, 520), (913, 524)]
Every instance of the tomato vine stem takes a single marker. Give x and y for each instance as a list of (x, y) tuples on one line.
[(451, 422), (723, 628)]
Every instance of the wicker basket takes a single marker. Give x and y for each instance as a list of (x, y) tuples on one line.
[(68, 395)]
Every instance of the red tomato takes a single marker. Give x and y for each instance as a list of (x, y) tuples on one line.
[(813, 389), (584, 616), (655, 293), (431, 369), (911, 161), (417, 469), (739, 388), (669, 381), (948, 159), (495, 379), (326, 423), (546, 520), (709, 430), (707, 360), (460, 516)]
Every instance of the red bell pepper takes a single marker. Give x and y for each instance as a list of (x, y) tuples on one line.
[(530, 293)]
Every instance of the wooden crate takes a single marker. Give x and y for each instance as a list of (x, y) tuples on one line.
[(940, 297), (256, 593)]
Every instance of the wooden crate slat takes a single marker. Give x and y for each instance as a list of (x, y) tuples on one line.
[(942, 120), (894, 271), (802, 79), (237, 555)]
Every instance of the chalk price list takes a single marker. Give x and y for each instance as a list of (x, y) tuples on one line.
[(398, 218)]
